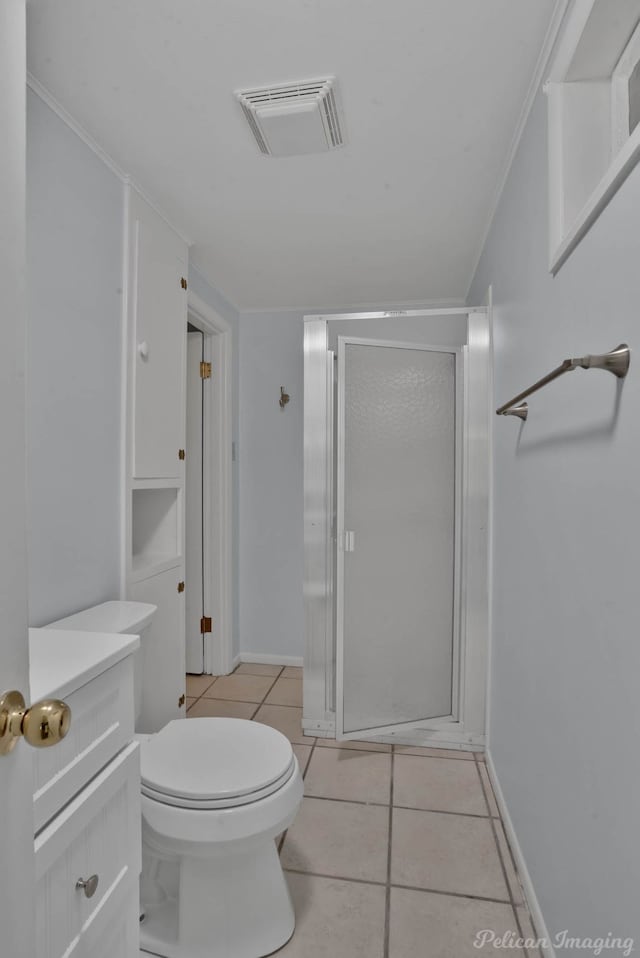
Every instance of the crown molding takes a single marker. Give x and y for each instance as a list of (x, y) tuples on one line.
[(49, 100), (394, 305)]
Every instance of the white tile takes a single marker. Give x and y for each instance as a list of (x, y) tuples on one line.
[(335, 919), (197, 684), (221, 708), (302, 754), (424, 925), (256, 668), (439, 784), (338, 839), (512, 876), (287, 720), (486, 781), (349, 775), (286, 692), (292, 672), (449, 853), (241, 688)]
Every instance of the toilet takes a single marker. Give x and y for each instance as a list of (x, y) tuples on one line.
[(216, 793)]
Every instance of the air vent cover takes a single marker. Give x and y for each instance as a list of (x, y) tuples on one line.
[(294, 118)]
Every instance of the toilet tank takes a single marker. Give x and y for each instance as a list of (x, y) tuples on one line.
[(118, 617)]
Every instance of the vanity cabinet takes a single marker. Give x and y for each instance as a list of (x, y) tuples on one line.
[(87, 798)]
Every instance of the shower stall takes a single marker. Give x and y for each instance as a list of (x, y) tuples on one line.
[(396, 448)]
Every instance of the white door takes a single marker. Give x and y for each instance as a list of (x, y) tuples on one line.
[(163, 658), (194, 544), (16, 788), (158, 270), (398, 482)]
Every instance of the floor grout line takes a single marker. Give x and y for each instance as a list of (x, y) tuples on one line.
[(308, 762), (443, 758), (384, 884), (355, 881), (407, 808), (503, 866), (275, 679), (306, 767), (451, 894), (279, 705)]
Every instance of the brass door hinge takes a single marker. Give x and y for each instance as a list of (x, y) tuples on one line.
[(181, 453), (205, 624), (180, 586), (205, 370), (183, 282), (181, 701)]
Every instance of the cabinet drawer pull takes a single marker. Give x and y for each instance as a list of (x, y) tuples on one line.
[(88, 885)]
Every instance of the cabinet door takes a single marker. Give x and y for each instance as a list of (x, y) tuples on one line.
[(158, 325), (162, 650), (97, 833), (102, 725)]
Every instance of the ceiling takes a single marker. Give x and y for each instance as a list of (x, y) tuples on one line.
[(432, 92)]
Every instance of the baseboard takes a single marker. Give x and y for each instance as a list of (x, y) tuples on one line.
[(259, 658), (525, 878)]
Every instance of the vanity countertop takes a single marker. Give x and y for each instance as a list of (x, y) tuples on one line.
[(61, 661)]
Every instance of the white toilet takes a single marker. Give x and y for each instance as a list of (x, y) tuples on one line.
[(216, 792)]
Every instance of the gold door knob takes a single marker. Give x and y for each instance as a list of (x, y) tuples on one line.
[(45, 723)]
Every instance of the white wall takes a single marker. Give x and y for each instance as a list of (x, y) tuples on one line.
[(74, 248), (74, 280), (270, 461), (271, 467), (565, 702)]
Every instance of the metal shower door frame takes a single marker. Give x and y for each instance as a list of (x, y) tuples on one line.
[(319, 718), (457, 637)]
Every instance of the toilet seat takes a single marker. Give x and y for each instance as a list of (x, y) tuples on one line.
[(209, 763)]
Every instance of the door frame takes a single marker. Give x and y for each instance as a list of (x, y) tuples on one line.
[(458, 637), (16, 768), (319, 717), (217, 485), (194, 606)]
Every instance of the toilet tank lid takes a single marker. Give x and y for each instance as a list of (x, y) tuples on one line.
[(115, 617)]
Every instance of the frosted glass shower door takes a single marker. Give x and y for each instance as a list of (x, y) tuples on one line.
[(397, 495)]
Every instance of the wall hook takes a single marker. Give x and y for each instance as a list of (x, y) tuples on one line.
[(284, 398)]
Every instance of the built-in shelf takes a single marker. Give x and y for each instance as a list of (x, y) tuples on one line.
[(144, 567), (156, 533)]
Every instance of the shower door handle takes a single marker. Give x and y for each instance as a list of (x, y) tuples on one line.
[(349, 541)]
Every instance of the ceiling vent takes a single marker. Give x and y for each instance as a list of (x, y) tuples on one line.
[(294, 118)]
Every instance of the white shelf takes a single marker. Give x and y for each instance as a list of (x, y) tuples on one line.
[(146, 566), (156, 531)]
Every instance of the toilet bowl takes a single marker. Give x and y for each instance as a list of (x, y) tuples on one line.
[(215, 794)]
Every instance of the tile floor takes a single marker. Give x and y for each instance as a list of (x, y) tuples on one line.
[(396, 852)]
